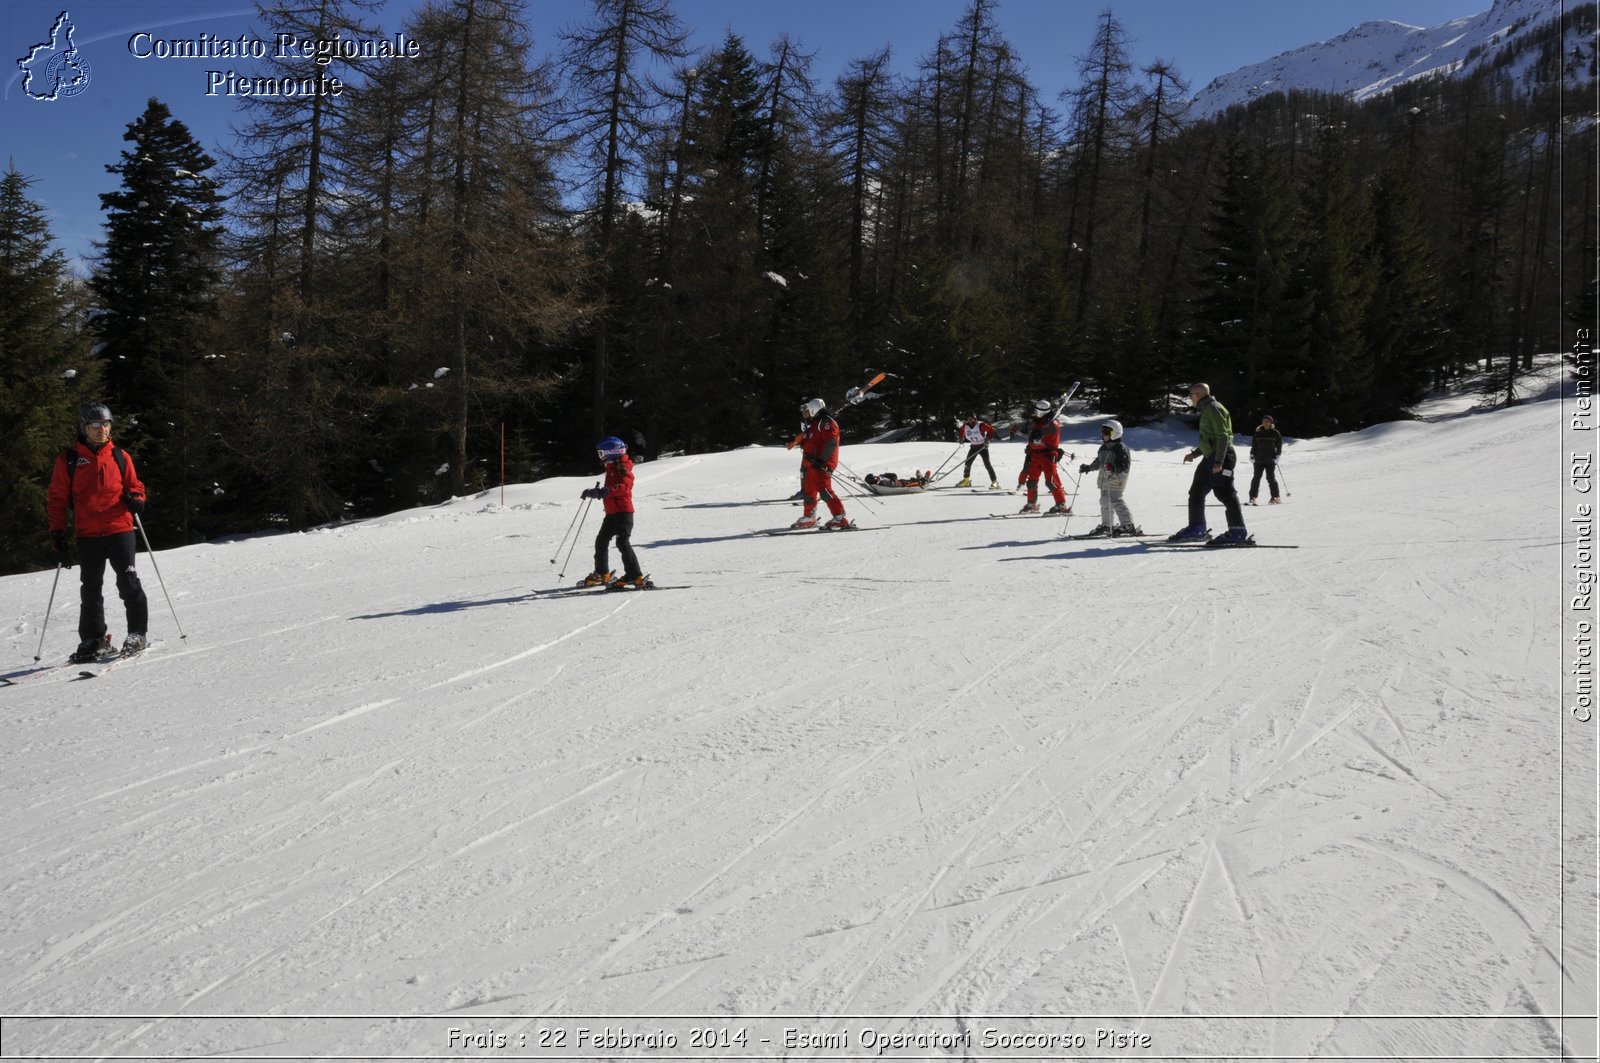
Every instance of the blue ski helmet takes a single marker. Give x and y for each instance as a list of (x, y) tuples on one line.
[(611, 448)]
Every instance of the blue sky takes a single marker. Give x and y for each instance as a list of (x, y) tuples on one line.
[(65, 144)]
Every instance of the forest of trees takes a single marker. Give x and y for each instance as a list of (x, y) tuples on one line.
[(351, 309)]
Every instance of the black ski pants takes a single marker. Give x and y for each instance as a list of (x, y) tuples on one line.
[(974, 453), (94, 552), (1215, 483), (1269, 468), (617, 526)]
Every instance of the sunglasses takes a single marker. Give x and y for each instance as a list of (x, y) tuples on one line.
[(97, 424)]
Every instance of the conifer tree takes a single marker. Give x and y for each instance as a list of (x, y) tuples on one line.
[(1336, 235), (1403, 328), (155, 287), (41, 341), (610, 109)]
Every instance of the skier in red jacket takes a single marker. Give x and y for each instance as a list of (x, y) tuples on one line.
[(617, 495), (819, 450), (1044, 450), (101, 491)]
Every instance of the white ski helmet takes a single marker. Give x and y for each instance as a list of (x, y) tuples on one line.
[(813, 407), (1114, 427), (1043, 406)]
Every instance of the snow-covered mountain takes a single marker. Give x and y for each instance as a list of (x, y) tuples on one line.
[(952, 778), (1376, 56)]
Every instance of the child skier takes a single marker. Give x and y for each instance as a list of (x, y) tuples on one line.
[(1114, 461), (617, 494)]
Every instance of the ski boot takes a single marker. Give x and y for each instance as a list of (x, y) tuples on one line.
[(134, 644), (596, 579), (1276, 502), (1231, 537), (1031, 507), (1250, 501), (995, 486), (91, 650), (965, 483), (1099, 531), (1193, 533), (629, 583), (1059, 508), (839, 523), (1126, 529), (808, 520)]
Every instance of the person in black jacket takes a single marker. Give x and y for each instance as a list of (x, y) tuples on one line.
[(1266, 444)]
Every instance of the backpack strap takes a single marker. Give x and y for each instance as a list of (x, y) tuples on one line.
[(71, 458)]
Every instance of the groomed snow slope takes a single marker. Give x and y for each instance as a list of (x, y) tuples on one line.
[(954, 774)]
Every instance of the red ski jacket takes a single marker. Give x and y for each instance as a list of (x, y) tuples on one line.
[(619, 486), (92, 491), (1044, 437), (822, 441)]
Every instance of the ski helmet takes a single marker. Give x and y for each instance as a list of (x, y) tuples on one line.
[(1266, 418), (93, 411), (1114, 427), (611, 448), (813, 407), (1043, 406)]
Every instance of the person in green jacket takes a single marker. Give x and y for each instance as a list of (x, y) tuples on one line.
[(1214, 474)]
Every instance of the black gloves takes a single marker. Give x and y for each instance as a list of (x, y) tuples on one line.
[(134, 503), (58, 544), (818, 463), (1083, 470), (593, 492)]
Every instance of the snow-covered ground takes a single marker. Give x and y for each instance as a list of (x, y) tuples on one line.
[(953, 779)]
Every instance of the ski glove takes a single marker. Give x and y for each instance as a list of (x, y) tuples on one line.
[(820, 464), (1084, 470), (593, 492), (134, 503), (58, 543)]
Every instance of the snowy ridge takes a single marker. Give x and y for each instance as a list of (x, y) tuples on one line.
[(957, 769), (1376, 56)]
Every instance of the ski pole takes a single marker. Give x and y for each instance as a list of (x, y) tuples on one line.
[(159, 580), (1284, 480), (862, 492), (52, 604), (940, 473), (568, 532), (1067, 522), (583, 512)]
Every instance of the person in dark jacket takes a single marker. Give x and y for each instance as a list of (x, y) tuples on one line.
[(1266, 446), (95, 483), (617, 494)]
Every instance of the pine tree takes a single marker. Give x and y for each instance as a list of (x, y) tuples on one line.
[(610, 109), (155, 287), (41, 342), (1403, 330), (1337, 228)]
